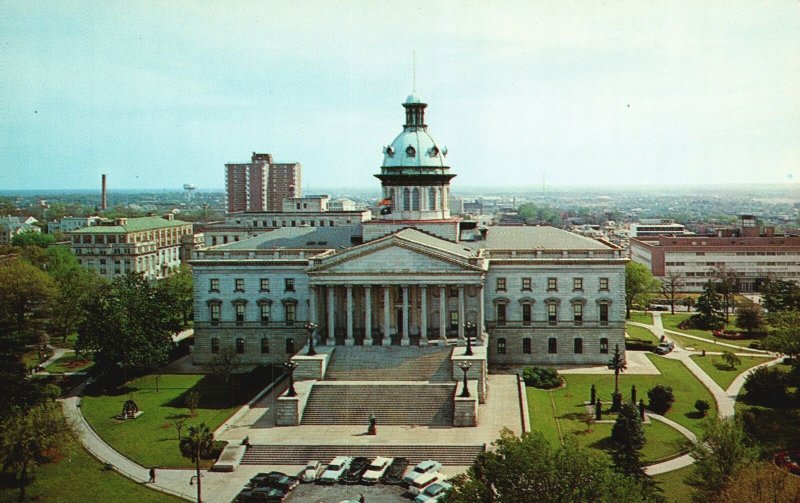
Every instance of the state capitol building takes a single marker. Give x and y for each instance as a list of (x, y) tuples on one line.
[(413, 275)]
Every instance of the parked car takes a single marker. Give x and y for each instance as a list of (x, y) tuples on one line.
[(356, 470), (335, 470), (278, 480), (423, 467), (376, 469), (394, 474), (310, 472), (665, 347), (261, 495), (423, 481), (433, 492)]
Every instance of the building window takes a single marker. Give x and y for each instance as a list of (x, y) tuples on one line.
[(604, 314), (603, 284), (264, 346), (526, 285), (288, 285), (239, 314), (604, 345), (577, 283), (213, 285), (577, 313), (266, 311), (289, 346), (501, 314), (552, 284), (431, 198), (240, 346), (406, 200), (552, 345), (291, 313), (526, 314), (264, 285), (578, 349), (214, 345), (552, 313), (453, 320), (453, 292), (501, 285), (526, 345), (501, 345), (415, 199), (239, 285), (216, 313)]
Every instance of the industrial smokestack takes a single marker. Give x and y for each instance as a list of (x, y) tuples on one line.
[(103, 204)]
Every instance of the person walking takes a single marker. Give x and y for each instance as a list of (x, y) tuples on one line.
[(152, 476), (361, 499)]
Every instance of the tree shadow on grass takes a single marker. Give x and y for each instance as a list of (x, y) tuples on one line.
[(604, 444), (723, 367), (694, 415)]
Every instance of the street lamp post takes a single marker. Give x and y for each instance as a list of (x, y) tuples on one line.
[(311, 327), (291, 366), (465, 366), (468, 328)]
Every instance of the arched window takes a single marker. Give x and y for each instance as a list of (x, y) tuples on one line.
[(415, 199), (264, 345), (526, 345), (604, 345), (501, 345), (240, 346), (552, 345), (406, 199), (431, 198), (578, 346), (215, 345)]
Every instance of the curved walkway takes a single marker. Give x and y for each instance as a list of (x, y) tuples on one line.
[(677, 462)]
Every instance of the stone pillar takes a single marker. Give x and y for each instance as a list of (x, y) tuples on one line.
[(387, 317), (442, 314), (404, 340), (481, 311), (367, 315), (461, 317), (312, 304), (349, 341), (331, 318), (423, 315)]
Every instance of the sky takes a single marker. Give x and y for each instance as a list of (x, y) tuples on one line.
[(158, 94)]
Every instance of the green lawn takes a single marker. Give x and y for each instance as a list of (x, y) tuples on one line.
[(722, 374), (152, 439), (640, 338), (676, 490), (78, 478), (69, 363), (69, 343), (671, 322), (641, 317), (707, 344)]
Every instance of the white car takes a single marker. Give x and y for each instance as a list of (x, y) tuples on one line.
[(376, 469), (309, 473), (423, 467), (433, 492), (423, 481), (335, 470)]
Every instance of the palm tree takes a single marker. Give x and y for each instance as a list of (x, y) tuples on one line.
[(198, 442), (617, 364)]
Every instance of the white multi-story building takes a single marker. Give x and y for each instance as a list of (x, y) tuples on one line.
[(532, 295), (650, 227)]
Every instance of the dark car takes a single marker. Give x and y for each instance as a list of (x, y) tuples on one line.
[(278, 480), (356, 470), (261, 495), (394, 475)]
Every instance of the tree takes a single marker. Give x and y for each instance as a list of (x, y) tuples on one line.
[(26, 295), (176, 291), (766, 386), (198, 442), (709, 305), (749, 317), (671, 286), (31, 238), (529, 468), (627, 436), (780, 295), (661, 398), (638, 282), (192, 402), (760, 483), (785, 338), (731, 359), (689, 303), (127, 326), (28, 436), (617, 364), (223, 365), (178, 420), (77, 289), (702, 407), (727, 285), (724, 448)]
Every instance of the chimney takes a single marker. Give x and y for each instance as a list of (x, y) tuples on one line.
[(103, 204)]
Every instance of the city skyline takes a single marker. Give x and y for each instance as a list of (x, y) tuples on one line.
[(563, 94)]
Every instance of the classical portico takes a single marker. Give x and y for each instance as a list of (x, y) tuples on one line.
[(406, 288)]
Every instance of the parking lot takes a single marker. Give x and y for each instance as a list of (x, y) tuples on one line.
[(317, 493)]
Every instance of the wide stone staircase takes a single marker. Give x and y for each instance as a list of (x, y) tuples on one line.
[(276, 454), (392, 363), (429, 404)]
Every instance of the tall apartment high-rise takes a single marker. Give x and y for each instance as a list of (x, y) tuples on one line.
[(261, 184)]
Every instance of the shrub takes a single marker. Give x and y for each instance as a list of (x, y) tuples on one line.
[(541, 377), (216, 449), (765, 386), (661, 398), (702, 407)]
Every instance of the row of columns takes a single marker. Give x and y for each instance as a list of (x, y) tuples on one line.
[(387, 313)]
